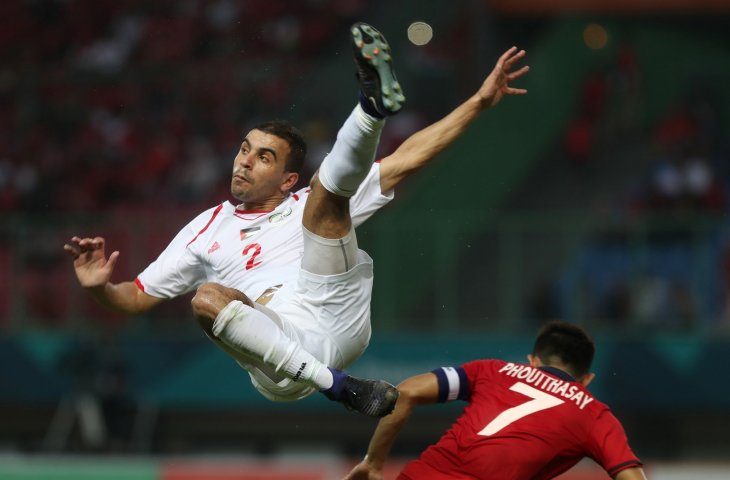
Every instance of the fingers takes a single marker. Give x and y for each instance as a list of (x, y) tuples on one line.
[(72, 249), (518, 73), (505, 56), (112, 260), (509, 58), (514, 59), (509, 62), (79, 245), (515, 91), (87, 244), (93, 243)]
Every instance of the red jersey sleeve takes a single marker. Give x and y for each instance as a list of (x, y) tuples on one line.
[(608, 444)]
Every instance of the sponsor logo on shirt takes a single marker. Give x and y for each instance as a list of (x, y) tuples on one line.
[(278, 217), (248, 232), (214, 247)]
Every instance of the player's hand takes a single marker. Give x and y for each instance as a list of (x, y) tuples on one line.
[(92, 267), (497, 83), (364, 471)]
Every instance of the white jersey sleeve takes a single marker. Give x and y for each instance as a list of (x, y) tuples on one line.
[(369, 198), (178, 269)]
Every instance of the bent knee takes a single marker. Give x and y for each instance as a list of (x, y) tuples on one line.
[(202, 298), (210, 298), (208, 288)]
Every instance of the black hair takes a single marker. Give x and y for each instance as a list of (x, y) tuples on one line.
[(568, 343), (292, 136)]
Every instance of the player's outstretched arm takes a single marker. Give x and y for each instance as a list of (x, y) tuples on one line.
[(420, 389), (635, 473), (421, 147), (94, 271)]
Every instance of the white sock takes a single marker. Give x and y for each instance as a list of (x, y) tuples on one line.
[(352, 155), (245, 329)]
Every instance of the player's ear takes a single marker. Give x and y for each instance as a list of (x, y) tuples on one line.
[(587, 378), (533, 360), (290, 179)]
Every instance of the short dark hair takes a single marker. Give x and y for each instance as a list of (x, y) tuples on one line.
[(292, 136), (568, 343)]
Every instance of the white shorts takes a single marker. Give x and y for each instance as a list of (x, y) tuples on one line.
[(328, 315)]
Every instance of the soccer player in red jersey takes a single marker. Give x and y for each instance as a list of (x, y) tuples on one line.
[(523, 421)]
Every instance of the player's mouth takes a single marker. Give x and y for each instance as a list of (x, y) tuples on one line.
[(241, 178)]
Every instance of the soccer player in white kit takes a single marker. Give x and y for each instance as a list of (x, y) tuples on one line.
[(281, 284)]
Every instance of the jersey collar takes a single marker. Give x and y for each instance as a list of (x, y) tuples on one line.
[(561, 374), (240, 210)]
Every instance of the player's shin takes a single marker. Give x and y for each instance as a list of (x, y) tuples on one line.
[(245, 329)]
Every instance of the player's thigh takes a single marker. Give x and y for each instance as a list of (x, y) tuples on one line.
[(342, 306)]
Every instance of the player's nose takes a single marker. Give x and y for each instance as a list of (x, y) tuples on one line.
[(244, 160)]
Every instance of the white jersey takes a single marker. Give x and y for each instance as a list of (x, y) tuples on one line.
[(251, 251)]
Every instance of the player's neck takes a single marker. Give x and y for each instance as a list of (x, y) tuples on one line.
[(267, 205), (559, 371)]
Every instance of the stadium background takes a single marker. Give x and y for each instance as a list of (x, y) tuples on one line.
[(599, 198)]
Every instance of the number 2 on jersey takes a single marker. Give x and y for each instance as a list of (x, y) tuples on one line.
[(256, 251), (540, 401)]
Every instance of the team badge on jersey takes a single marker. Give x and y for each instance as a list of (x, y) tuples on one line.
[(278, 217), (249, 232)]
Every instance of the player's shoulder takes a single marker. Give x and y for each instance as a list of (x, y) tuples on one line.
[(300, 195), (597, 407), (490, 363), (217, 211), (484, 366)]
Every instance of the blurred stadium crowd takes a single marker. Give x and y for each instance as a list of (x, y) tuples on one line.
[(130, 106), (662, 261), (109, 103)]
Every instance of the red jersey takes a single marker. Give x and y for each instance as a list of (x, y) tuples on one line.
[(521, 423)]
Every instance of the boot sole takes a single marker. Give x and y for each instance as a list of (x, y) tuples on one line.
[(375, 56)]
